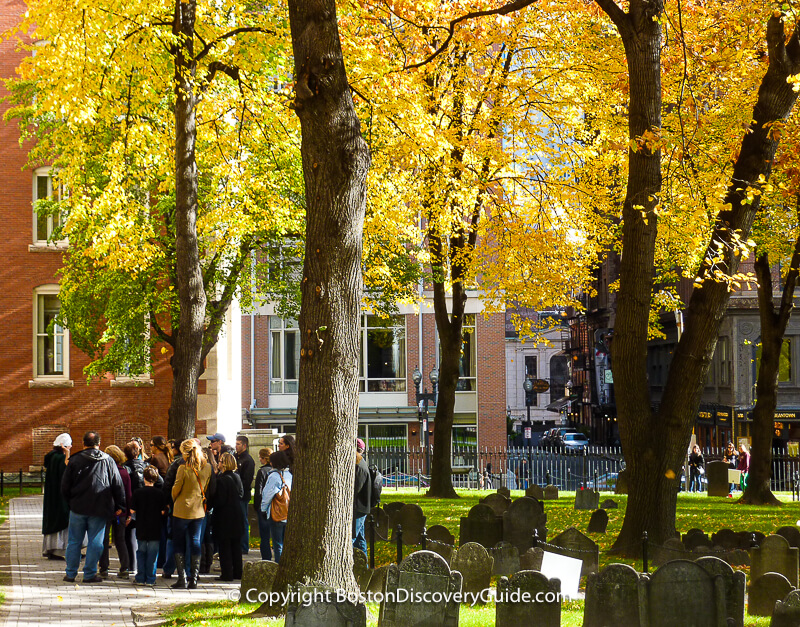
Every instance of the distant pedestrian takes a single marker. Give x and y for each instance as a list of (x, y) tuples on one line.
[(160, 454), (55, 513), (227, 518), (277, 480), (149, 505), (246, 469), (743, 465), (216, 443), (362, 497), (286, 444), (93, 488), (731, 459), (118, 524), (696, 469), (263, 523)]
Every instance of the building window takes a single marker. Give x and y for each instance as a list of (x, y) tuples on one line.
[(382, 363), (465, 445), (51, 340), (46, 219), (467, 370), (284, 355), (724, 348), (531, 372)]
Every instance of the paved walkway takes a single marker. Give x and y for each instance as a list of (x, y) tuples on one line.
[(37, 596)]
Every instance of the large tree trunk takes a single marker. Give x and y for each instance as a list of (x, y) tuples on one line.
[(335, 163), (186, 361), (655, 445)]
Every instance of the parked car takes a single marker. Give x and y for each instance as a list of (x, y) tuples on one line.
[(573, 442), (555, 436)]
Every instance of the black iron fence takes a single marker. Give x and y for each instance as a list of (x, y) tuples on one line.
[(14, 483)]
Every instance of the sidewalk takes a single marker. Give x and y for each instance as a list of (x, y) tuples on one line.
[(37, 596)]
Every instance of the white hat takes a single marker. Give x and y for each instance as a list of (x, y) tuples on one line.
[(63, 440)]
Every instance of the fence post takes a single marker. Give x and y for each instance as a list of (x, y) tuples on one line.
[(2, 481), (20, 481), (371, 527), (595, 480), (424, 537), (399, 536), (41, 478), (548, 478), (419, 480), (644, 552), (535, 541)]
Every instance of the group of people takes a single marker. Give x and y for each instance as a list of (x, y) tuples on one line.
[(736, 461)]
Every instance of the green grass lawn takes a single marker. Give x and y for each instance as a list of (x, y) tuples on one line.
[(694, 511)]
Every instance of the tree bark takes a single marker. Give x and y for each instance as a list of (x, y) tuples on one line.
[(655, 443), (186, 360), (318, 544)]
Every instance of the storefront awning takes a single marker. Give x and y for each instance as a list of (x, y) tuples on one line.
[(557, 406)]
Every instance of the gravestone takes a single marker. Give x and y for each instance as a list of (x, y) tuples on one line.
[(587, 499), (481, 525), (612, 597), (475, 565), (725, 539), (441, 541), (672, 549), (319, 606), (378, 579), (391, 510), (792, 535), (421, 571), (531, 559), (696, 538), (717, 477), (609, 504), (684, 593), (252, 521), (506, 559), (735, 584), (765, 591), (621, 487), (510, 612), (535, 492), (504, 491), (750, 539), (361, 569), (412, 520), (381, 519), (257, 578), (519, 521), (573, 543), (787, 612), (497, 502), (550, 493), (598, 522), (775, 556)]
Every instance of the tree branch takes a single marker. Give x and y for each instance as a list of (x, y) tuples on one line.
[(219, 66), (245, 29), (615, 13), (516, 5)]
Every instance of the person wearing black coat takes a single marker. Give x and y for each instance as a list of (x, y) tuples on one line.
[(246, 469), (55, 513), (263, 522), (227, 519), (361, 498)]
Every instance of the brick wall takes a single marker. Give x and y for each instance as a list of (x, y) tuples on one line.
[(491, 380)]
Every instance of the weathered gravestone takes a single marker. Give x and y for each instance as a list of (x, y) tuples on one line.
[(587, 499), (765, 591), (257, 578), (612, 597), (735, 583), (696, 538), (598, 522), (512, 610), (519, 521), (481, 525), (506, 559), (792, 535), (550, 493), (392, 510), (684, 593), (717, 477), (504, 491), (672, 549), (609, 504), (621, 487), (381, 521), (531, 559), (497, 502), (573, 543), (378, 580), (361, 570), (422, 572), (787, 612), (775, 556), (475, 565), (726, 539), (750, 539), (441, 541), (320, 606), (535, 492), (412, 520)]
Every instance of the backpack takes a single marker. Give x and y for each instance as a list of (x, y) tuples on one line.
[(376, 482), (279, 508)]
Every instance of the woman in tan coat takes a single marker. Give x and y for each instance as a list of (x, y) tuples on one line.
[(193, 486)]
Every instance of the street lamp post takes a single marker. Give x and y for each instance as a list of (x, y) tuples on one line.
[(423, 399), (527, 429)]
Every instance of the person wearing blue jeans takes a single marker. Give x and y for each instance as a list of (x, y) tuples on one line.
[(149, 505), (362, 497), (280, 477), (258, 489), (93, 488), (276, 532)]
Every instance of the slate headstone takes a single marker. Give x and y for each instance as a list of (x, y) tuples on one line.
[(475, 565), (441, 541), (612, 597), (587, 499), (481, 525), (511, 613), (550, 493), (671, 549), (381, 519), (535, 492), (421, 571), (391, 510), (257, 578), (717, 477), (621, 487), (750, 539), (573, 543), (361, 569), (378, 579), (504, 491), (609, 504), (765, 591), (598, 523), (792, 535), (531, 559), (412, 520), (319, 606), (726, 539), (787, 612), (775, 556), (684, 593), (497, 502), (506, 559), (519, 521), (696, 538), (735, 584)]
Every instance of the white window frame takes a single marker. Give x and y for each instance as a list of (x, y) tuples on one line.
[(38, 294), (363, 378), (280, 384), (37, 241), (470, 326)]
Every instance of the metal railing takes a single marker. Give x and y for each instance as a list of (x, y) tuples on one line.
[(13, 483)]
